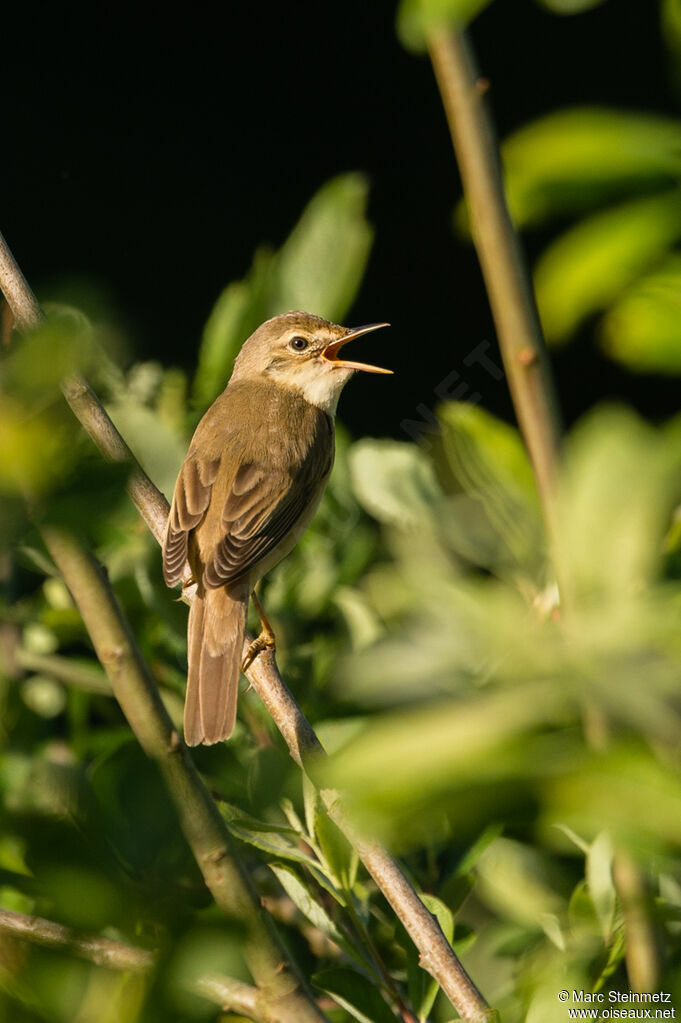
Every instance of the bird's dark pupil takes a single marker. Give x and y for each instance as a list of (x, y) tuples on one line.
[(299, 342)]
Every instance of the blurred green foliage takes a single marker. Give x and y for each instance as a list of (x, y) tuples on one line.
[(509, 744)]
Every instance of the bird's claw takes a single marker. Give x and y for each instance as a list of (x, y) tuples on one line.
[(265, 641)]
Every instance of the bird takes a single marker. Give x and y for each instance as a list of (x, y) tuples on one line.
[(249, 486)]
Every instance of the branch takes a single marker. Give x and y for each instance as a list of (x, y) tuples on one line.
[(101, 951), (230, 994), (508, 285), (90, 680), (200, 819), (437, 956)]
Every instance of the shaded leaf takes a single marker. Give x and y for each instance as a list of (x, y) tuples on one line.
[(341, 858), (307, 900), (275, 840), (356, 993)]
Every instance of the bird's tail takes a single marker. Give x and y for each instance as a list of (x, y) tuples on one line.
[(215, 640)]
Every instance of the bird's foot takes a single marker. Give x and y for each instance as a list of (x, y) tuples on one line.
[(265, 641)]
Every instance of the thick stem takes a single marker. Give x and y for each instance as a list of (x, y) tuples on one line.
[(508, 285)]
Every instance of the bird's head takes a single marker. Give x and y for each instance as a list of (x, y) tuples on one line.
[(302, 352)]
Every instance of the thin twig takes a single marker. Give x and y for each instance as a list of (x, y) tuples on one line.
[(90, 680), (102, 951), (508, 284), (230, 994), (642, 954), (437, 956)]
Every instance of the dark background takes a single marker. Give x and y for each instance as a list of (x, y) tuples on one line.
[(150, 152)]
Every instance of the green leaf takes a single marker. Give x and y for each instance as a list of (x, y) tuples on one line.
[(592, 264), (319, 268), (341, 858), (417, 18), (310, 803), (642, 329), (574, 159), (610, 532), (306, 899), (321, 264), (488, 460), (570, 6), (240, 308), (159, 448), (473, 854), (599, 862), (671, 24), (355, 993), (274, 840), (362, 622), (394, 482)]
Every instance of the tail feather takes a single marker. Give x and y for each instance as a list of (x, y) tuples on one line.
[(217, 621)]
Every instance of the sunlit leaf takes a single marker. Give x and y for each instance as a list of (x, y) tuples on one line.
[(488, 460), (240, 308), (671, 24), (394, 482), (321, 264), (642, 329), (599, 879), (590, 265), (513, 878), (570, 6), (318, 269), (417, 18), (610, 531), (571, 160)]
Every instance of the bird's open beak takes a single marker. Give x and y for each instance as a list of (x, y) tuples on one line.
[(331, 351)]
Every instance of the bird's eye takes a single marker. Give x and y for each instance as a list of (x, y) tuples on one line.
[(299, 344)]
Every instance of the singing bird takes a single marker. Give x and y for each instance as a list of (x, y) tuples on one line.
[(247, 490)]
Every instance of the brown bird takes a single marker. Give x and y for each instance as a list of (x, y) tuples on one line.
[(248, 488)]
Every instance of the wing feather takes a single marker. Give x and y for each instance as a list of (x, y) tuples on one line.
[(190, 500), (261, 508)]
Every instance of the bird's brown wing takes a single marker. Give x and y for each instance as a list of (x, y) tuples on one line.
[(261, 509), (190, 501)]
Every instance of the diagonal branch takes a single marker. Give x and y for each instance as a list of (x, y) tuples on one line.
[(200, 819), (230, 994), (503, 266), (437, 956)]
